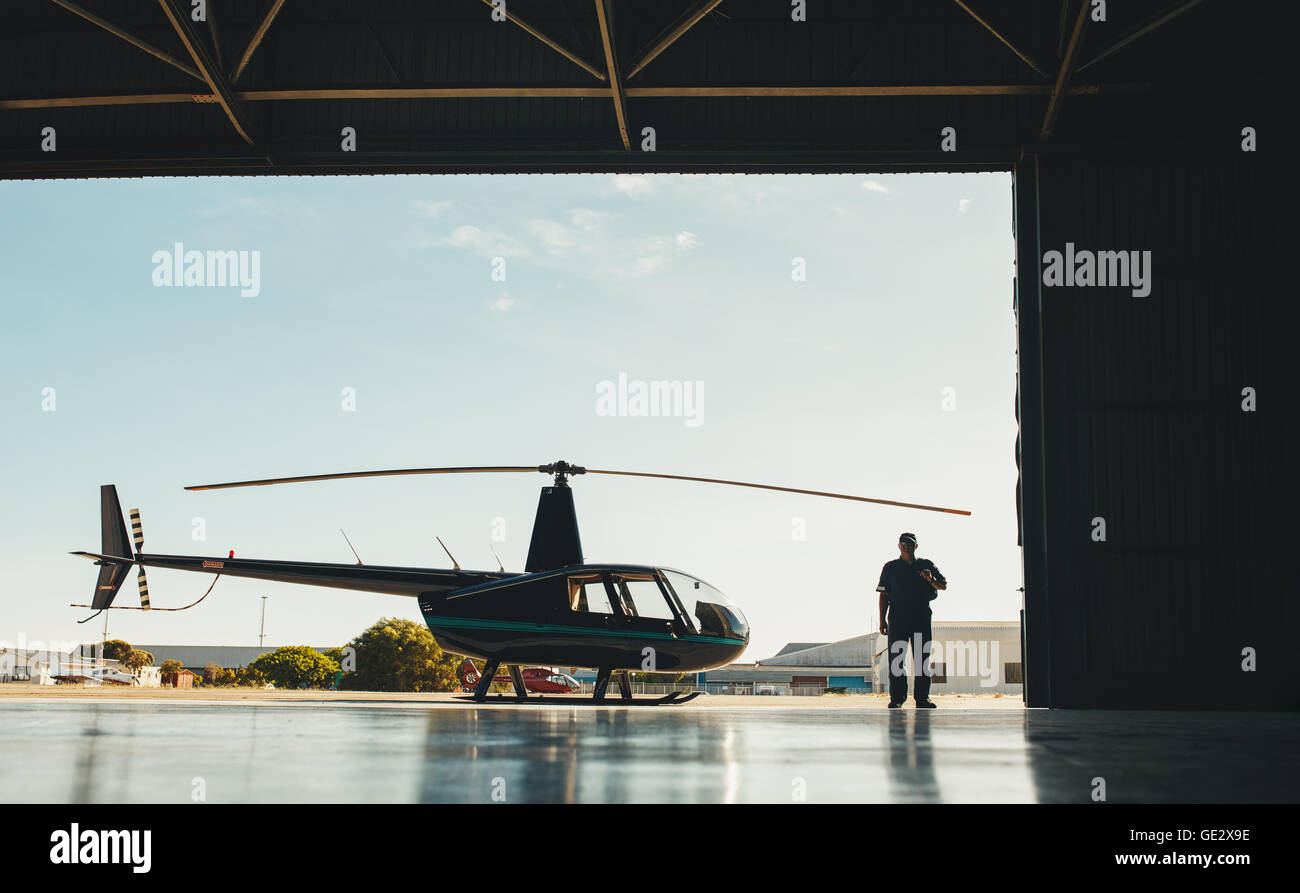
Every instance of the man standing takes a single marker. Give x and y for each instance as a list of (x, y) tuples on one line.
[(907, 586)]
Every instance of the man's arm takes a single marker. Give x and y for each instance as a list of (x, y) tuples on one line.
[(932, 576), (883, 588)]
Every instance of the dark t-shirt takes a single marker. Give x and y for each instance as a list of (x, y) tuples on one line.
[(909, 594)]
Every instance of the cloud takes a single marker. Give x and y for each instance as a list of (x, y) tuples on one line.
[(557, 239), (871, 184), (634, 185), (502, 304), (488, 243), (583, 242), (585, 218), (430, 209), (963, 205)]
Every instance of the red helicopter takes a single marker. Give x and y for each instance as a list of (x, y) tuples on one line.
[(559, 611), (542, 680)]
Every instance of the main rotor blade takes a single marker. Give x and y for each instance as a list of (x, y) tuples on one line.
[(365, 474), (679, 477), (565, 468)]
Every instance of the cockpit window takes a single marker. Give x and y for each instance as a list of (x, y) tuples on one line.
[(587, 595), (642, 596), (713, 613)]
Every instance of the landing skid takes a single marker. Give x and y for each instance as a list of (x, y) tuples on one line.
[(672, 699)]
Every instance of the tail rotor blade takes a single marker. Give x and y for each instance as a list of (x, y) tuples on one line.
[(137, 530), (143, 583)]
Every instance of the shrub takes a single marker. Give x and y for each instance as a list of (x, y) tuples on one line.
[(296, 665)]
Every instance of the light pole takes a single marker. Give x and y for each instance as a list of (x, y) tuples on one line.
[(262, 635)]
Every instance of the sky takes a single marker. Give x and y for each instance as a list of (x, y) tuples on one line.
[(845, 333)]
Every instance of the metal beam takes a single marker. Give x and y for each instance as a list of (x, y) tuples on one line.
[(1024, 57), (874, 40), (530, 92), (1142, 29), (180, 21), (568, 54), (255, 39), (1065, 73), (611, 66), (669, 35), (215, 34), (383, 46), (868, 90), (130, 38), (1062, 27)]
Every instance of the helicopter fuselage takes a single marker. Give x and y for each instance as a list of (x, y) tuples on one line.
[(615, 616)]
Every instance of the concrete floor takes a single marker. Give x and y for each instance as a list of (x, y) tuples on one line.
[(435, 751)]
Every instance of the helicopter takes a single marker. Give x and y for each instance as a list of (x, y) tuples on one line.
[(559, 611), (543, 680)]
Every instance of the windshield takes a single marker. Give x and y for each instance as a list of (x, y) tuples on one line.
[(714, 614)]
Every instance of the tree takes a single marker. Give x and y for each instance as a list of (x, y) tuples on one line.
[(171, 666), (210, 673), (296, 665), (134, 661), (400, 655), (661, 678), (116, 649)]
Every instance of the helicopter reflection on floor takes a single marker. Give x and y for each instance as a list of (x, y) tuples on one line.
[(334, 752)]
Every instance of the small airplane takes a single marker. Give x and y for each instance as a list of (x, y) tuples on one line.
[(541, 680), (559, 611), (100, 676)]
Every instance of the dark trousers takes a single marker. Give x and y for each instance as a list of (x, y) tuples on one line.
[(903, 635)]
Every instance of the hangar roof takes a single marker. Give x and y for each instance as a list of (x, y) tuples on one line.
[(136, 87)]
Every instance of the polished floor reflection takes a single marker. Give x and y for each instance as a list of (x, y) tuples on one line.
[(122, 752)]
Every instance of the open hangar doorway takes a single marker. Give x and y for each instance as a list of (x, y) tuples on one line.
[(1154, 455)]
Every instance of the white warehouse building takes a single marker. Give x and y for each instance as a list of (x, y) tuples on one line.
[(969, 657)]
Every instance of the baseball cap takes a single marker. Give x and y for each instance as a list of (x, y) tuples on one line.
[(907, 538)]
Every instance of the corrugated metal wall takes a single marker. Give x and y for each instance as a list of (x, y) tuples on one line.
[(1143, 426)]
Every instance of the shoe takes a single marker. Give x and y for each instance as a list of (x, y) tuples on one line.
[(926, 703), (893, 706)]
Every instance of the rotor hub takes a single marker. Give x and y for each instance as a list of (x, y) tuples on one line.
[(561, 470)]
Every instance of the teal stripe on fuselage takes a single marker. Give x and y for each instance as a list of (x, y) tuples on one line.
[(464, 622)]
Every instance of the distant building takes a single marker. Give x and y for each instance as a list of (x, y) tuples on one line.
[(969, 657), (23, 664), (46, 666), (197, 657), (183, 679)]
